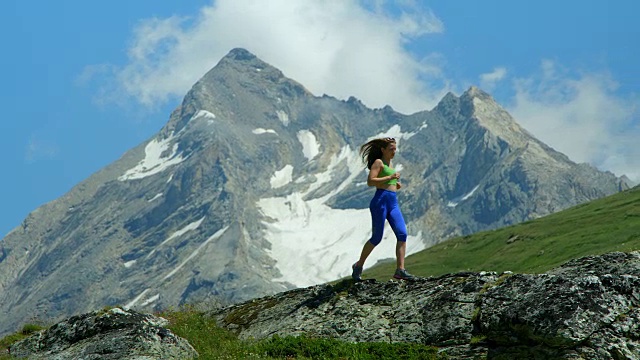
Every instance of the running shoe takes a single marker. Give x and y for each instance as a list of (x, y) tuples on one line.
[(402, 274), (357, 272)]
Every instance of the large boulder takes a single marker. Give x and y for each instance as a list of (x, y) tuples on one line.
[(109, 334)]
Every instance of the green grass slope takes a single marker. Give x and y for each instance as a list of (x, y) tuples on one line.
[(600, 226)]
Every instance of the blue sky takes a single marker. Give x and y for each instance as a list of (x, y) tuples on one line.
[(85, 81)]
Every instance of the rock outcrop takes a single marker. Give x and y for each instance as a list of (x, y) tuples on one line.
[(587, 308), (112, 334)]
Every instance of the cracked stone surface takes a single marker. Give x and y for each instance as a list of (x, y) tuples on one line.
[(585, 309)]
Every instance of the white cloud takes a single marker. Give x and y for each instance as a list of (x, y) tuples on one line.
[(581, 116), (337, 47), (488, 81)]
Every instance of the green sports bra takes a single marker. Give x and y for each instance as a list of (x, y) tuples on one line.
[(386, 171)]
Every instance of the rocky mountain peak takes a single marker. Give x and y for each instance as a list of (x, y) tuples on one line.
[(242, 60), (481, 107), (246, 70), (240, 54), (240, 87), (475, 92)]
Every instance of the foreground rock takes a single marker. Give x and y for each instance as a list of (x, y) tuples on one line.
[(113, 334), (584, 309)]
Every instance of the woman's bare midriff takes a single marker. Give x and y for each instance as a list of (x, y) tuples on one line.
[(389, 187)]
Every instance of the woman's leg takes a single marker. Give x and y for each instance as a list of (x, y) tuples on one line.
[(366, 251), (401, 249), (396, 220)]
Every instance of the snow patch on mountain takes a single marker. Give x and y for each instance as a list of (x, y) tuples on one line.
[(283, 117), (354, 163), (150, 300), (192, 226), (396, 132), (310, 146), (154, 161), (260, 131), (282, 177), (136, 299), (196, 251), (203, 114), (454, 202)]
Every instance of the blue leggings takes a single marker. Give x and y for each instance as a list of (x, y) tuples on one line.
[(384, 206)]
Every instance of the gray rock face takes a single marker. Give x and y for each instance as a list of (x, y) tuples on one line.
[(254, 186), (113, 334), (584, 309)]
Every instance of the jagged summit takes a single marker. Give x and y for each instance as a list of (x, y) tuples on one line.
[(243, 60), (474, 91), (494, 117), (479, 106), (239, 87), (240, 65), (240, 54)]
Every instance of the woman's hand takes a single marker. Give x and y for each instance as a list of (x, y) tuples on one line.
[(398, 186)]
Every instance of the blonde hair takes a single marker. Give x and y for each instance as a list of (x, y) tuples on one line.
[(372, 150)]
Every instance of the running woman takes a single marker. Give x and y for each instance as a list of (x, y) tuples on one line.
[(378, 154)]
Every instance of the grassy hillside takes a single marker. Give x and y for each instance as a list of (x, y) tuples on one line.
[(601, 226)]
